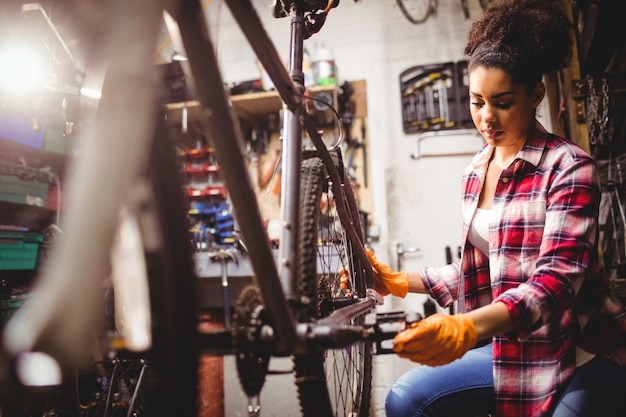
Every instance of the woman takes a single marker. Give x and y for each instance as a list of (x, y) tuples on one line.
[(552, 342)]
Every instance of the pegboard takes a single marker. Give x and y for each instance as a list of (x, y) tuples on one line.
[(435, 97)]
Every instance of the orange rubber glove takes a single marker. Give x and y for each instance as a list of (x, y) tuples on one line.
[(386, 281), (437, 340)]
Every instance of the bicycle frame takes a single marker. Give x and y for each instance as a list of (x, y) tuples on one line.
[(276, 288)]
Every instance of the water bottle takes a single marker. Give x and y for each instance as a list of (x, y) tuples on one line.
[(323, 66)]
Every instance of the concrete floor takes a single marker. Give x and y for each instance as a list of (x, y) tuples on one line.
[(279, 397)]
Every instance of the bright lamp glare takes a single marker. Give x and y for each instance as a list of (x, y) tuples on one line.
[(91, 93), (21, 70)]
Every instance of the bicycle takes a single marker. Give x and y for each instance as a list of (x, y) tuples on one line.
[(418, 11), (302, 307)]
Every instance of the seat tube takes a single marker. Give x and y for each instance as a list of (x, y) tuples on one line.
[(291, 159)]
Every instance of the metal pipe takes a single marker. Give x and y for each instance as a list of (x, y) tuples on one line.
[(291, 161), (400, 251)]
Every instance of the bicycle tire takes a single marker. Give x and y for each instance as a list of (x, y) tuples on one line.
[(334, 382), (171, 380), (415, 11), (466, 10)]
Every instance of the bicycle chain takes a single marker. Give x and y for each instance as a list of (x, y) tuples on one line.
[(598, 112)]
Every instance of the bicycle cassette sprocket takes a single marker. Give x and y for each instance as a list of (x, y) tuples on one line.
[(252, 358)]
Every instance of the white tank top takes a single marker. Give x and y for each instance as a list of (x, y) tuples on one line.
[(479, 230)]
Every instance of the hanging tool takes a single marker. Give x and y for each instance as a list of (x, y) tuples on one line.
[(272, 176), (400, 251), (440, 95), (363, 145), (223, 256), (257, 142), (449, 261), (430, 103), (598, 112)]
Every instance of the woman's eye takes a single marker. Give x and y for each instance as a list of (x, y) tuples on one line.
[(476, 103), (504, 106)]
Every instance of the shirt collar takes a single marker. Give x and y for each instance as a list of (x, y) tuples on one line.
[(533, 149), (531, 152)]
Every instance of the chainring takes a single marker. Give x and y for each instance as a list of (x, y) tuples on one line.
[(252, 358)]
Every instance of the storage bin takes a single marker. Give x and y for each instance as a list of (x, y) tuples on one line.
[(56, 141), (39, 133), (24, 185), (18, 251)]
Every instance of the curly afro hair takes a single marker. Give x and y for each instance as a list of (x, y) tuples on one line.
[(525, 38)]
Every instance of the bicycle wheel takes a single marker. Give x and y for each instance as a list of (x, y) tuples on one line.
[(485, 4), (158, 207), (163, 260), (465, 7), (334, 382), (416, 11)]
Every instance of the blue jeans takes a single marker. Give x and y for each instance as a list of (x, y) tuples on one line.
[(597, 389), (464, 388), (461, 388)]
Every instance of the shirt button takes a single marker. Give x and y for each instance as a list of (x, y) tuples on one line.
[(492, 245), (505, 180)]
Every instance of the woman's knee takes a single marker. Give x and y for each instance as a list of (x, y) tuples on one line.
[(413, 394), (401, 401)]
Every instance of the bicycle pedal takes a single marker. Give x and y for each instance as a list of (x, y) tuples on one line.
[(388, 325), (279, 372)]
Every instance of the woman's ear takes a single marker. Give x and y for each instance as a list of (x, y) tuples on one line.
[(538, 93)]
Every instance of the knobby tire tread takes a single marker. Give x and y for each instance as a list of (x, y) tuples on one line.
[(309, 367), (313, 389)]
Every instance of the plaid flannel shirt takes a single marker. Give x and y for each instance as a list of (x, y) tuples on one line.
[(543, 265)]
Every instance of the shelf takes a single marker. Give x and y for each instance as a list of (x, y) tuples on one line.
[(31, 217), (246, 106), (252, 105)]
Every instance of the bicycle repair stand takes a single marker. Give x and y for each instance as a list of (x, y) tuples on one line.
[(223, 256)]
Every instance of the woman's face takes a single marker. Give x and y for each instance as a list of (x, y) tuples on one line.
[(503, 112)]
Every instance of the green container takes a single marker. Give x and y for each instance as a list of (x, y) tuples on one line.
[(18, 251), (56, 141), (24, 185)]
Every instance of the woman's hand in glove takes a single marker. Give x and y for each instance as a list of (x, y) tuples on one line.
[(437, 340), (386, 281)]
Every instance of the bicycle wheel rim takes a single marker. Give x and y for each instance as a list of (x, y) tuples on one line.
[(466, 10), (415, 11), (342, 376)]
